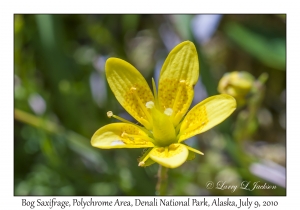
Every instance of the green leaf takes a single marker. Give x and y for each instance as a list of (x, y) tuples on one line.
[(271, 52)]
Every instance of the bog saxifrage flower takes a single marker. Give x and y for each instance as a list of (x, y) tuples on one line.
[(165, 124)]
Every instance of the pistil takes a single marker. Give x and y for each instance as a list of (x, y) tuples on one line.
[(163, 129)]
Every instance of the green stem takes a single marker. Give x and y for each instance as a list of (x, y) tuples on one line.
[(162, 182)]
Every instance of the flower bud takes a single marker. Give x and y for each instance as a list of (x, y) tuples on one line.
[(237, 84)]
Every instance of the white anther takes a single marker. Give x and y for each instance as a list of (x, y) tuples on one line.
[(110, 114), (168, 111), (150, 104), (141, 163)]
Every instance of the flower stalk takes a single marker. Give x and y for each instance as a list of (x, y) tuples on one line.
[(162, 182)]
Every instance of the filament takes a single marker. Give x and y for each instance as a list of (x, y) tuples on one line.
[(194, 150)]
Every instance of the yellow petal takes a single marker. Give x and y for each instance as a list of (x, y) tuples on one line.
[(170, 157), (130, 89), (206, 115), (178, 76), (121, 135)]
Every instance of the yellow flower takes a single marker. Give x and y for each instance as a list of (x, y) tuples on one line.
[(164, 127)]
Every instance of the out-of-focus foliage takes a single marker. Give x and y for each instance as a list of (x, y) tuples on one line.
[(61, 98)]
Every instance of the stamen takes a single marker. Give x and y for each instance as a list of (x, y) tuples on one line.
[(178, 127), (173, 146), (150, 104), (141, 104), (160, 149), (166, 151), (155, 93), (168, 111), (142, 163), (137, 138), (110, 114), (124, 134), (194, 150)]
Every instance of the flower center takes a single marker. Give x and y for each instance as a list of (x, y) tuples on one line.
[(163, 129)]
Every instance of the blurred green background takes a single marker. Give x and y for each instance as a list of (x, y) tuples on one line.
[(61, 98)]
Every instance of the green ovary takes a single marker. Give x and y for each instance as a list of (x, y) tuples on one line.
[(163, 129)]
